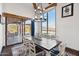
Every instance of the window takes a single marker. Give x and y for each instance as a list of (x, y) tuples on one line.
[(27, 27), (44, 25), (48, 26), (51, 22), (12, 28)]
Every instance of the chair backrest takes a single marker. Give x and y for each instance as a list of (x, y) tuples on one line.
[(30, 47), (61, 49), (32, 50), (26, 44)]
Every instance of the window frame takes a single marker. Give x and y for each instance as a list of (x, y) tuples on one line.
[(47, 21)]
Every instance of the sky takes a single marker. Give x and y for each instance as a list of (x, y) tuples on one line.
[(51, 18)]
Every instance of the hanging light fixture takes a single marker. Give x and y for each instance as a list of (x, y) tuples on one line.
[(39, 13)]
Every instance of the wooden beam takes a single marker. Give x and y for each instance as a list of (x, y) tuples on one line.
[(14, 16), (34, 5), (51, 5)]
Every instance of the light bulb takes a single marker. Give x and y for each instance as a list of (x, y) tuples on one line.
[(43, 8), (41, 16), (40, 11), (35, 10), (35, 16), (38, 7)]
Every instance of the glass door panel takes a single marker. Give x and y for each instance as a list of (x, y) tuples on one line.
[(14, 34), (27, 27)]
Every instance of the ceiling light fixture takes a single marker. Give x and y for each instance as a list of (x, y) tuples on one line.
[(39, 13)]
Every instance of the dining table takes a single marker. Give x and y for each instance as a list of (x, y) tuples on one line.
[(46, 44)]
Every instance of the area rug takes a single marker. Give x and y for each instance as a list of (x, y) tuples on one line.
[(18, 50)]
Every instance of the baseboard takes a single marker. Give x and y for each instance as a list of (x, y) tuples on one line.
[(72, 51)]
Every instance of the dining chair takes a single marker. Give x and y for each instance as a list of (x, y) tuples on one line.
[(26, 44), (32, 49), (59, 50)]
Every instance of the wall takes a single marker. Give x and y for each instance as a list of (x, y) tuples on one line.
[(1, 31), (68, 28), (0, 8), (22, 9), (1, 37)]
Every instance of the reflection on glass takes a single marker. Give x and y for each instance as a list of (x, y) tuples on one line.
[(12, 28), (13, 34), (28, 27), (44, 25)]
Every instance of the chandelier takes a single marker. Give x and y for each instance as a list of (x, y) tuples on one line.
[(39, 13)]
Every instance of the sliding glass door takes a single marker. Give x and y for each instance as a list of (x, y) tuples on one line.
[(14, 32)]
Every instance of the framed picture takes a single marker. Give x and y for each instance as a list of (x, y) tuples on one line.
[(67, 10)]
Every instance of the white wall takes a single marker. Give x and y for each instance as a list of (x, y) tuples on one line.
[(1, 38), (68, 28), (22, 9), (1, 31), (0, 8)]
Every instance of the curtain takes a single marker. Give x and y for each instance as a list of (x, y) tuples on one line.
[(32, 28)]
